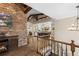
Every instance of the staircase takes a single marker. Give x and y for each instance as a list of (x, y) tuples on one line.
[(56, 48)]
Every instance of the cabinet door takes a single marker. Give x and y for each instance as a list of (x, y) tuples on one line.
[(13, 44)]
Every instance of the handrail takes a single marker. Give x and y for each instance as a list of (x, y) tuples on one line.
[(61, 42), (72, 44), (56, 44), (65, 43)]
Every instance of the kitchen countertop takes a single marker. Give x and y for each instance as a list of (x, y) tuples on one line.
[(4, 37)]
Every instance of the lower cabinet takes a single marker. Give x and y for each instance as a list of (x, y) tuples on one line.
[(12, 43)]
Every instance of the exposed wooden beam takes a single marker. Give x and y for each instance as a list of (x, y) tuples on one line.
[(36, 16), (24, 7), (27, 10)]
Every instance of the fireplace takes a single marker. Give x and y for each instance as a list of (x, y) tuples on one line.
[(3, 46)]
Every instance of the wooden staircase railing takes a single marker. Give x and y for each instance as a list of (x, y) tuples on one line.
[(57, 47)]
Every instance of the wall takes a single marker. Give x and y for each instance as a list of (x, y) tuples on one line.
[(19, 21), (63, 34), (19, 26)]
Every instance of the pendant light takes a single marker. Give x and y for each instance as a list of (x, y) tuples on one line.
[(75, 26)]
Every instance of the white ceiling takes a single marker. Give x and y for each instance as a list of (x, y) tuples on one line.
[(56, 10), (32, 11)]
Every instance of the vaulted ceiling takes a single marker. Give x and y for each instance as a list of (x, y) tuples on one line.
[(56, 10)]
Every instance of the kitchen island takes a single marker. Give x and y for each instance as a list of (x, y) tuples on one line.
[(8, 43)]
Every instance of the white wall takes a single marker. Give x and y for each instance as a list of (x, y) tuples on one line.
[(63, 34), (32, 11)]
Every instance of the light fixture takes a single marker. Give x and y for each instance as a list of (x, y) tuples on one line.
[(75, 26)]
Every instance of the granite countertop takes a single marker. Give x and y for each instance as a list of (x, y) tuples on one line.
[(41, 36)]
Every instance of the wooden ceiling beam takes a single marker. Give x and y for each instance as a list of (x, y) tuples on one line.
[(24, 7), (36, 16)]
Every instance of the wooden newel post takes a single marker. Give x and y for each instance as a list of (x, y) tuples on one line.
[(72, 47)]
